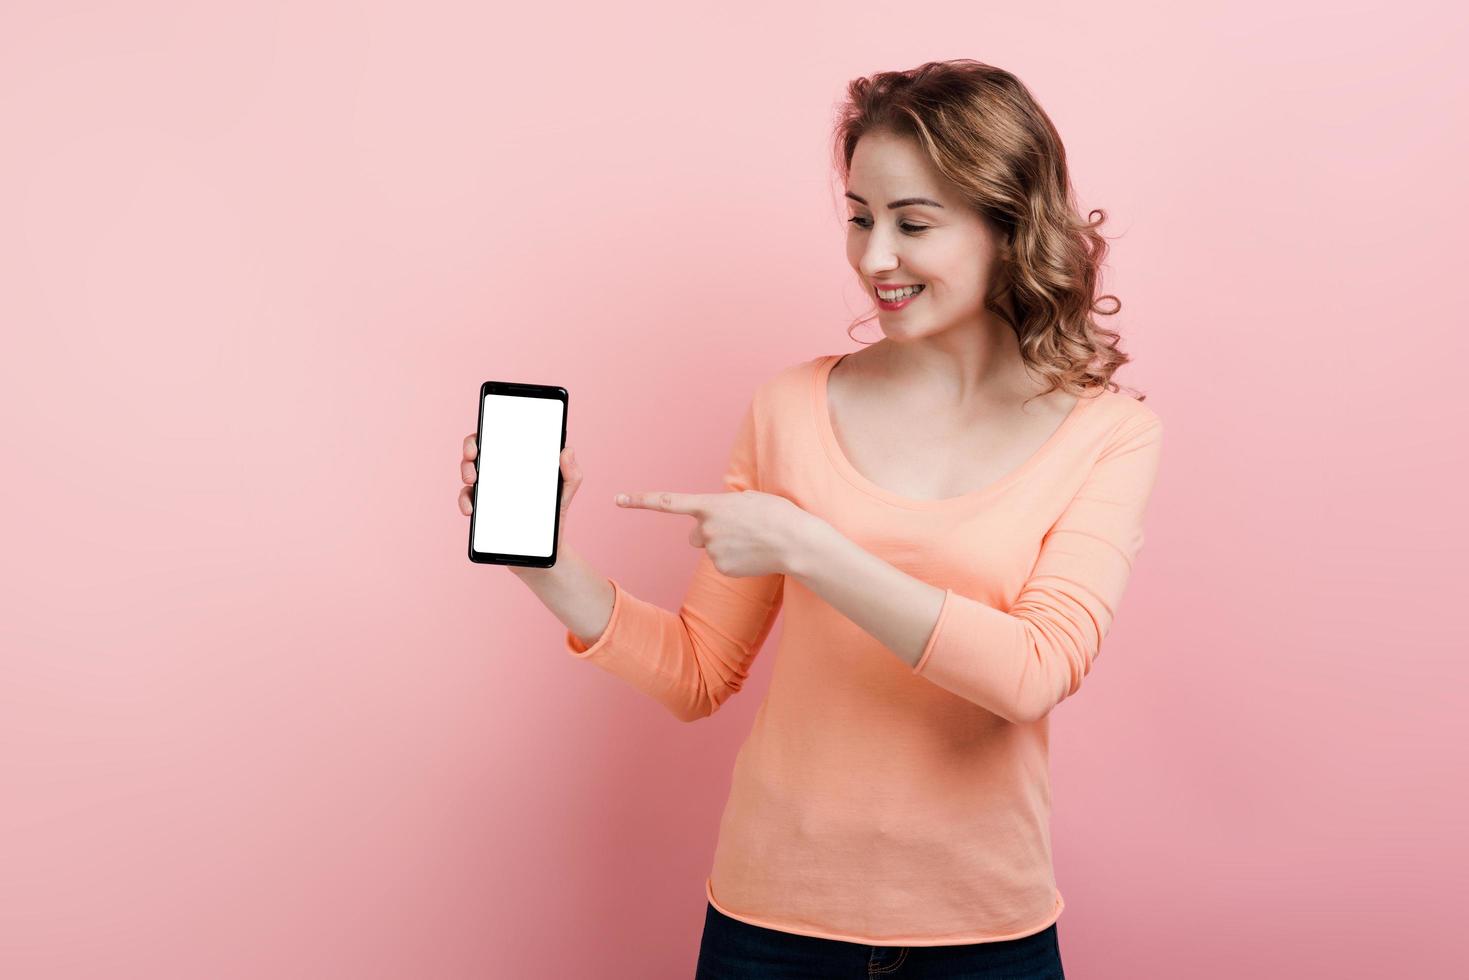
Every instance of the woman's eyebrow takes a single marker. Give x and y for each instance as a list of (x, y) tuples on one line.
[(900, 202)]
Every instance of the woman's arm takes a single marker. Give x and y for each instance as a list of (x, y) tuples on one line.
[(896, 608), (574, 591), (1022, 662), (693, 660)]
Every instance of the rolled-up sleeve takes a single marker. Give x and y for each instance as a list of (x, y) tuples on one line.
[(1021, 662), (694, 660)]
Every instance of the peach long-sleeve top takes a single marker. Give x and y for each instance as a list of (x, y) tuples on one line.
[(874, 802)]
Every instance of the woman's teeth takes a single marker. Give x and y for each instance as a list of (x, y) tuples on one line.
[(900, 294)]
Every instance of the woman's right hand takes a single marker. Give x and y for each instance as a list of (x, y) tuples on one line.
[(571, 480)]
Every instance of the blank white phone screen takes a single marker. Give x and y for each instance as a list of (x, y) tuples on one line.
[(515, 497)]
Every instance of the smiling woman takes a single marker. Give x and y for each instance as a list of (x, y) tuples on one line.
[(948, 559), (956, 182)]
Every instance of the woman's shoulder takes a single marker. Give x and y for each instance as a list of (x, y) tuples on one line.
[(1118, 422), (1124, 410), (790, 385)]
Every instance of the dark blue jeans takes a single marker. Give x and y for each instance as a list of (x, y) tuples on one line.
[(735, 950)]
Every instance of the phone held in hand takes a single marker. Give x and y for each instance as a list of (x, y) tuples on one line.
[(516, 514)]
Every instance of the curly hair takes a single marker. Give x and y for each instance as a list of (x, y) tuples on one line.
[(985, 132)]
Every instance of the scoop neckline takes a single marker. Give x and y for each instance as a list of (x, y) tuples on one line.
[(822, 408)]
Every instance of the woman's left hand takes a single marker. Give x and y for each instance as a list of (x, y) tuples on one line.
[(744, 533)]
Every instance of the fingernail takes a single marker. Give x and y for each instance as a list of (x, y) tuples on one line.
[(622, 498)]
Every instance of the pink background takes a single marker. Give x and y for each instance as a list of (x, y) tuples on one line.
[(261, 717)]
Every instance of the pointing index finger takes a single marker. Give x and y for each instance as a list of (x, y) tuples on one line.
[(663, 500)]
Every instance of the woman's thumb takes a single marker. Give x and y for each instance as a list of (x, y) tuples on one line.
[(571, 474)]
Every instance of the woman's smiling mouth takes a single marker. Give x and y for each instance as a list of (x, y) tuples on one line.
[(896, 297)]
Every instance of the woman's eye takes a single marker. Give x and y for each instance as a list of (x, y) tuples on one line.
[(911, 229)]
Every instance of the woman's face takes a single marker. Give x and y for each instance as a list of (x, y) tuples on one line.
[(942, 245)]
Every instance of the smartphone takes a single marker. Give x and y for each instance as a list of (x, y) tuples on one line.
[(515, 518)]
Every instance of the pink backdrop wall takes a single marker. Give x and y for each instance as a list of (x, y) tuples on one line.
[(259, 715)]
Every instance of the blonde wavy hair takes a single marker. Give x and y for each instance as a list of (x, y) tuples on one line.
[(986, 133)]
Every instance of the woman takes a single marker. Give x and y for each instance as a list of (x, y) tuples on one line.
[(948, 518)]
